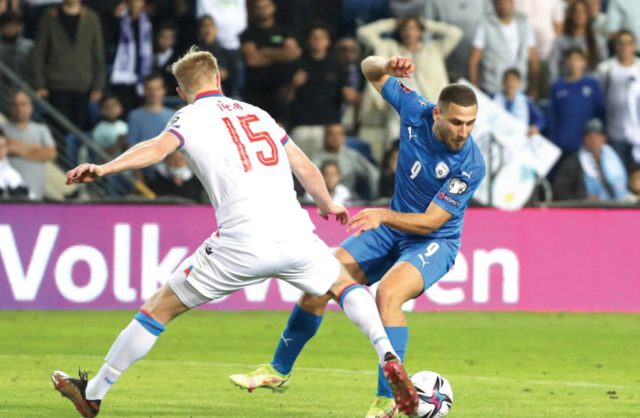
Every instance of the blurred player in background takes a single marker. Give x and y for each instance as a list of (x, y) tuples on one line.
[(411, 245), (244, 160)]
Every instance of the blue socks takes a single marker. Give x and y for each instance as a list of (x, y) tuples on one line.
[(302, 325), (398, 337)]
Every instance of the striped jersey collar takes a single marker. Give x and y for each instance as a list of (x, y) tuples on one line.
[(208, 93)]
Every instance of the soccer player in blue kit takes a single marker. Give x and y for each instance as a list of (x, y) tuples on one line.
[(412, 244)]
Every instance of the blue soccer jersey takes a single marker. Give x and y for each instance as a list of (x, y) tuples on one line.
[(428, 171)]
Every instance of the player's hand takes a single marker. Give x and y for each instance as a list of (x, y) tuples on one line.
[(341, 213), (366, 220), (400, 67), (84, 173)]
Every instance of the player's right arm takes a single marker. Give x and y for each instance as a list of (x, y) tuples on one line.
[(141, 155), (377, 70), (311, 179)]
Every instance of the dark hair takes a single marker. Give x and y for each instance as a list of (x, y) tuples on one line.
[(512, 71), (11, 18), (108, 97), (458, 94), (202, 18), (153, 76), (327, 163), (623, 32), (575, 50), (570, 28), (404, 21), (319, 25), (165, 26), (632, 169)]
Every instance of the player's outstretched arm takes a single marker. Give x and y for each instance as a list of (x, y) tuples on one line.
[(378, 69), (413, 223), (311, 179), (141, 155)]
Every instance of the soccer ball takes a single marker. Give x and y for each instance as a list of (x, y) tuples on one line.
[(436, 396)]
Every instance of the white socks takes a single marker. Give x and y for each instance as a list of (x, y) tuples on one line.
[(360, 307), (133, 343)]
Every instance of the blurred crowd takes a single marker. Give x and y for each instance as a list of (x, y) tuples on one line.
[(567, 69)]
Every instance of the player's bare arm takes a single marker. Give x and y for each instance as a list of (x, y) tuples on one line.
[(378, 69), (412, 223), (311, 179), (142, 155)]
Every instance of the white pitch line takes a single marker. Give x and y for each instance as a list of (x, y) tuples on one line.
[(352, 371)]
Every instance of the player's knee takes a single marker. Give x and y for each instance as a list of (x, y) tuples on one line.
[(388, 299), (314, 304)]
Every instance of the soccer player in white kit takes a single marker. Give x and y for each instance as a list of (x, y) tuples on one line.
[(244, 160)]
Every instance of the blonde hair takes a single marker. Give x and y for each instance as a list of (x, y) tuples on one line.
[(194, 70)]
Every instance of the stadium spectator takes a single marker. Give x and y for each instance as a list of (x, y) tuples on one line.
[(617, 76), (429, 57), (166, 53), (595, 172), (11, 182), (348, 56), (502, 41), (174, 178), (578, 32), (134, 54), (514, 101), (358, 12), (575, 99), (388, 174), (358, 174), (110, 133), (150, 119), (15, 50), (318, 88), (634, 183), (623, 14), (465, 14), (340, 193), (208, 41), (407, 40), (68, 60), (269, 52), (546, 18), (30, 144), (300, 15), (230, 19)]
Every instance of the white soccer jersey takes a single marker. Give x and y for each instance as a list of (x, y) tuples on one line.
[(237, 151)]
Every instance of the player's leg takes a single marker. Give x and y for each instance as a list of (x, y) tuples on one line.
[(417, 269), (306, 317), (303, 323), (131, 345)]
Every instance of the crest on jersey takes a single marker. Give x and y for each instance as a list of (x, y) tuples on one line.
[(441, 170), (457, 186), (404, 87)]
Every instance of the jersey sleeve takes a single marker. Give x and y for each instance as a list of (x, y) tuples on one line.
[(456, 193), (407, 102), (180, 126)]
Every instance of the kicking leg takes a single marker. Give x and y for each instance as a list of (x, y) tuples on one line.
[(133, 343), (401, 283)]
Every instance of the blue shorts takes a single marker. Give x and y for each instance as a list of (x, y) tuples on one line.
[(377, 250)]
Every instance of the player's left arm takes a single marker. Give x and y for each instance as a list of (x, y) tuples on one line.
[(412, 223), (141, 155)]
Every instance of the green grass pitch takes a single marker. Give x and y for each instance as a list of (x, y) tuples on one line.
[(500, 364)]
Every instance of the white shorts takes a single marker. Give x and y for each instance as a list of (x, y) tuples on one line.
[(219, 267)]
